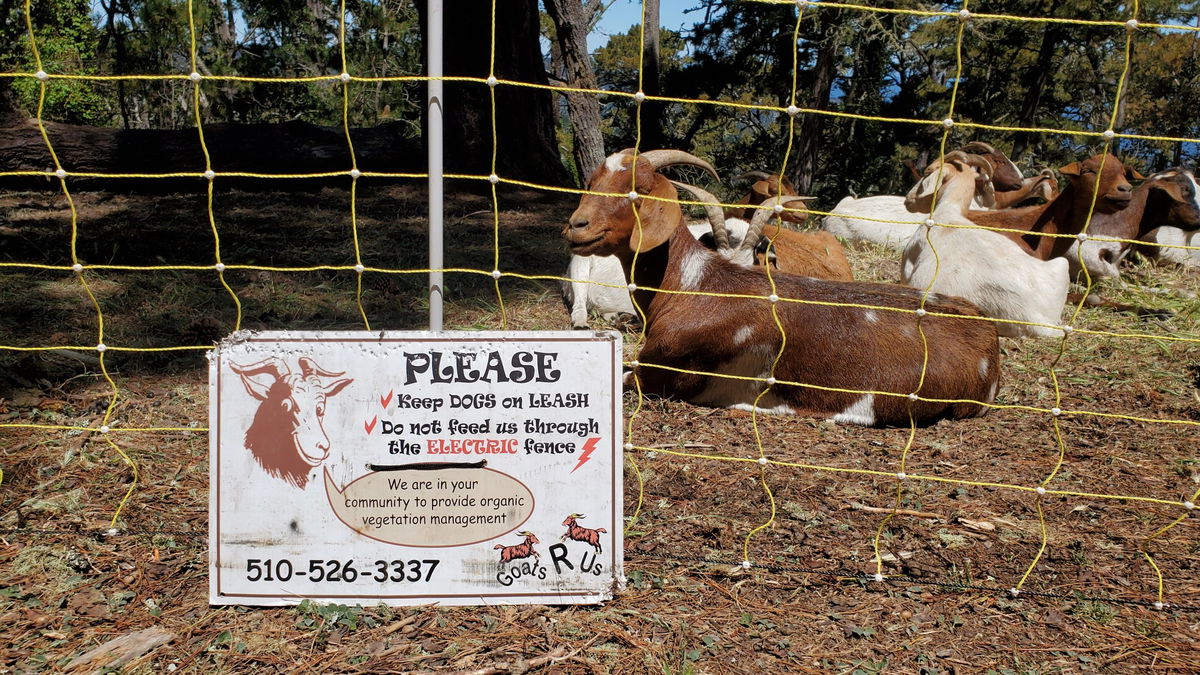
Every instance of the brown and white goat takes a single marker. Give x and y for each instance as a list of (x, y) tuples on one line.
[(810, 254), (521, 550), (1167, 199), (875, 352), (1068, 213), (767, 186), (816, 254), (577, 532)]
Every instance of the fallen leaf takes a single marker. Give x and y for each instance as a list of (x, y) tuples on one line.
[(1055, 618), (90, 602)]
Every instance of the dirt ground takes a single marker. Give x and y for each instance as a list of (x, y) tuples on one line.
[(66, 587)]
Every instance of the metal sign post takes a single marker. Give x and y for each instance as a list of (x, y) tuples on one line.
[(433, 135)]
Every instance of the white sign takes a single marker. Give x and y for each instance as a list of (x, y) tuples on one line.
[(460, 468)]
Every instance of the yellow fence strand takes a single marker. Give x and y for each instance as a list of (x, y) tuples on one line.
[(804, 10)]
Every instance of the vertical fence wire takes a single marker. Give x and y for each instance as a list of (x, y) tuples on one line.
[(434, 79)]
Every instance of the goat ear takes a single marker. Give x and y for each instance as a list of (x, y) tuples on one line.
[(1071, 169), (1132, 174), (659, 220), (334, 387)]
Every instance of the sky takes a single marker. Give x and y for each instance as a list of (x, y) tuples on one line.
[(626, 13)]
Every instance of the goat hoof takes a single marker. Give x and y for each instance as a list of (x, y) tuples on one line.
[(626, 322)]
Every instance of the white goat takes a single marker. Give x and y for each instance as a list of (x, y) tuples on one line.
[(1169, 238), (884, 219), (981, 266)]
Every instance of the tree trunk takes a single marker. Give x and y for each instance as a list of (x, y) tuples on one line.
[(1036, 79), (653, 134), (526, 148), (809, 134), (571, 23), (10, 111), (288, 148)]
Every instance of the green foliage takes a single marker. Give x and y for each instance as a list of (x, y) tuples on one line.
[(1012, 74), (326, 617), (1094, 611), (249, 38), (65, 39)]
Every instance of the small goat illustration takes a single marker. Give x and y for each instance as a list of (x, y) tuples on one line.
[(579, 533), (522, 550)]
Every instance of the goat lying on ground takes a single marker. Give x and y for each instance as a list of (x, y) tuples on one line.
[(814, 254), (846, 220), (1068, 213), (1171, 246), (878, 351), (609, 296), (984, 267), (764, 187), (598, 282), (1175, 223), (810, 254), (1167, 198)]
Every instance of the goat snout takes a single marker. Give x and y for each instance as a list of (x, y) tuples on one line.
[(1121, 193), (582, 236), (577, 222)]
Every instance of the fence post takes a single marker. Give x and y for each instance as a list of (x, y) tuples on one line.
[(433, 132)]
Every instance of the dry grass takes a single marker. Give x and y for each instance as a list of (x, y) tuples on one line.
[(65, 588)]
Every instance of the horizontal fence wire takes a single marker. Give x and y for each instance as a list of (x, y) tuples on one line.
[(109, 430)]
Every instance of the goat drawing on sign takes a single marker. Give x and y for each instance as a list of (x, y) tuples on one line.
[(521, 550), (287, 436), (577, 532)]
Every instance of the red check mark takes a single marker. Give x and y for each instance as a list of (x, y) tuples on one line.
[(385, 400), (370, 426)]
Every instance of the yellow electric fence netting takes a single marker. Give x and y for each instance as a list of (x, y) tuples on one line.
[(1054, 412)]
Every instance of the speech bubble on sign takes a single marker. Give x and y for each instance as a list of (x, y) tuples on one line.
[(432, 507)]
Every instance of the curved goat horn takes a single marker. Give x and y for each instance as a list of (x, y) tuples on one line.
[(763, 213), (660, 159), (309, 367), (712, 207), (756, 175), (978, 148)]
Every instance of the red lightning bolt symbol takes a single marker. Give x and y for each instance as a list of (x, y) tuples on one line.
[(588, 448)]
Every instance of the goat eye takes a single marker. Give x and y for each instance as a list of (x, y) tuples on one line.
[(320, 410), (289, 405)]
